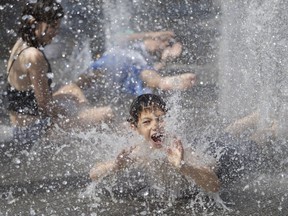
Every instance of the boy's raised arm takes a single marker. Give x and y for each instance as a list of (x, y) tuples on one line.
[(203, 175)]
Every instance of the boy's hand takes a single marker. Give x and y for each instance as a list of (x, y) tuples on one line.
[(123, 158), (175, 153)]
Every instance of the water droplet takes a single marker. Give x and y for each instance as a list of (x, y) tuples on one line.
[(22, 76), (28, 65), (32, 211), (246, 187), (17, 161), (50, 75)]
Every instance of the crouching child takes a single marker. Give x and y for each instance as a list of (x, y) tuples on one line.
[(147, 114)]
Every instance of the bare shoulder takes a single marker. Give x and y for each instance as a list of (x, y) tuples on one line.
[(33, 54)]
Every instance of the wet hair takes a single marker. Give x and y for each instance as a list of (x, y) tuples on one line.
[(142, 102), (48, 11)]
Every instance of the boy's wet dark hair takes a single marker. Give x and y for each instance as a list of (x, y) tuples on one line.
[(143, 101), (47, 11)]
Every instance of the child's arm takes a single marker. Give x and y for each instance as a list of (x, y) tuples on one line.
[(100, 170), (201, 174)]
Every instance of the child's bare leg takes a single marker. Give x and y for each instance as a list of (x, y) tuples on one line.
[(94, 115), (86, 118), (265, 135), (242, 124), (171, 52), (71, 89)]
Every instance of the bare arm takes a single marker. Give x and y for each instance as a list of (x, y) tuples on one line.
[(203, 175), (100, 170), (38, 77), (39, 80), (178, 82)]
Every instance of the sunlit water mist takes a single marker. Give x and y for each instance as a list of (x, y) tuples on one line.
[(253, 76), (253, 64), (68, 66), (148, 188), (253, 61), (79, 60), (243, 88), (117, 15)]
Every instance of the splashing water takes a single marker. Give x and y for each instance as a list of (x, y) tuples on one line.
[(252, 77), (246, 83), (70, 67), (117, 16), (162, 190), (253, 58)]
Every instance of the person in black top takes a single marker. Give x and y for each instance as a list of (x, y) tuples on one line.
[(29, 94)]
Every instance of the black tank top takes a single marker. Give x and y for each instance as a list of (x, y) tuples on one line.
[(24, 102)]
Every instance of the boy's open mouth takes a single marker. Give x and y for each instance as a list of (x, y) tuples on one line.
[(157, 137)]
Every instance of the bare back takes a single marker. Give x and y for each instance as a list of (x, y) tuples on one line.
[(24, 65)]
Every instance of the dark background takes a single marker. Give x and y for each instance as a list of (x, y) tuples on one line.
[(193, 22)]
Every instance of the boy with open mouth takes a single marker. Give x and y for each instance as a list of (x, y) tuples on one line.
[(147, 113)]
